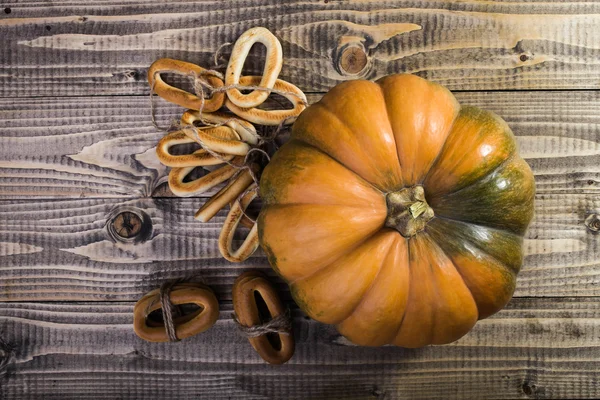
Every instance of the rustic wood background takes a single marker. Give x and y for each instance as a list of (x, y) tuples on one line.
[(77, 145)]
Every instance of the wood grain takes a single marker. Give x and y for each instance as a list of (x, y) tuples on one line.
[(106, 47), (535, 348), (79, 147), (68, 164), (104, 146), (60, 250)]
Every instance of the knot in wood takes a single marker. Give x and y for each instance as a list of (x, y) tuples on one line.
[(528, 388), (593, 222), (352, 59), (129, 225)]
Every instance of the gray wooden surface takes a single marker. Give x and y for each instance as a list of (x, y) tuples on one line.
[(536, 348), (77, 144)]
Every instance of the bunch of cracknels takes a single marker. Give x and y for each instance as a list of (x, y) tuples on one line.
[(227, 138)]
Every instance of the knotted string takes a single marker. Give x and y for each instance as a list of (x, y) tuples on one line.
[(280, 324), (167, 309), (247, 165), (203, 90), (200, 85), (218, 53)]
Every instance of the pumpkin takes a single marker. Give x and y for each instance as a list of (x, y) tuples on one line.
[(395, 213)]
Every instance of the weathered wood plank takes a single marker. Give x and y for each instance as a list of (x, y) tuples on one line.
[(61, 250), (535, 348), (104, 147), (106, 47), (79, 147)]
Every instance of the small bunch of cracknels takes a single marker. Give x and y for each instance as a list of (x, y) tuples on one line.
[(227, 137)]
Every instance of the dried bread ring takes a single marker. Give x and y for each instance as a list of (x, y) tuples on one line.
[(245, 289), (273, 64), (202, 184), (208, 140), (198, 158), (271, 117), (180, 96), (245, 130), (250, 244), (246, 222), (186, 325), (226, 195)]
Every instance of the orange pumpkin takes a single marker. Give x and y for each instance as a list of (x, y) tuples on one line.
[(395, 213)]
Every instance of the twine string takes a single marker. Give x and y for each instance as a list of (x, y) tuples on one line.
[(167, 309), (247, 165), (280, 324), (203, 90), (192, 132), (218, 53), (194, 80), (241, 196)]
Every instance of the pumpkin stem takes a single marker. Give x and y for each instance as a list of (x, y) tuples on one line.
[(417, 208), (408, 211)]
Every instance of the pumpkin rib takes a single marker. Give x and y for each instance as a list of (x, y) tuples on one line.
[(335, 160), (351, 249), (465, 155), (299, 139), (443, 308), (435, 101), (466, 280), (457, 271), (407, 291), (460, 189), (381, 241), (323, 108), (508, 207), (436, 310), (468, 222), (411, 275), (478, 246), (387, 116), (439, 154), (370, 225), (344, 166), (472, 297), (374, 279), (376, 319), (489, 129), (398, 177), (301, 173)]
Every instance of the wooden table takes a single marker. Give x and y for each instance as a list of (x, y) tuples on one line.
[(77, 148)]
